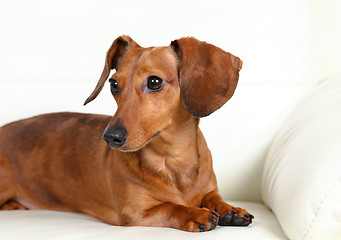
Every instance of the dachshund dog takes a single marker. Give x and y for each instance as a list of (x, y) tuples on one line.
[(154, 167)]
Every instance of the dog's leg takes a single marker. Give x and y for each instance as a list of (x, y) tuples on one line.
[(12, 205), (229, 215), (181, 217), (6, 193), (5, 202)]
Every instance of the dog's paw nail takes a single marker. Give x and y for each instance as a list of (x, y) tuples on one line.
[(237, 221), (215, 213), (213, 220), (212, 227), (246, 223), (202, 227), (234, 213)]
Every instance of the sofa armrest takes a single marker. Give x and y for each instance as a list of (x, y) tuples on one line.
[(302, 174)]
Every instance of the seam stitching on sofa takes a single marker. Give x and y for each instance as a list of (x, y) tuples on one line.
[(321, 207)]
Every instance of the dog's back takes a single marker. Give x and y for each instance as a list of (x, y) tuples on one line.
[(56, 142)]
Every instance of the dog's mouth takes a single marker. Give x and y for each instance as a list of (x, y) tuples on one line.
[(129, 149), (158, 132)]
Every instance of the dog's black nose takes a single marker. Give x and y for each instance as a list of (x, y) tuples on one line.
[(115, 137)]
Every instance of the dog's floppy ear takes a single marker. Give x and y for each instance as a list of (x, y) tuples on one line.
[(112, 61), (208, 75)]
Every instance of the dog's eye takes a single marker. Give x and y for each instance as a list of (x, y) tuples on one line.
[(155, 83), (114, 87)]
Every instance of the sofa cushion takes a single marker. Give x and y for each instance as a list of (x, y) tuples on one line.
[(40, 224), (302, 176)]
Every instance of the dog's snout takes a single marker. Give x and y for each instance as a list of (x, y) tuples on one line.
[(115, 137)]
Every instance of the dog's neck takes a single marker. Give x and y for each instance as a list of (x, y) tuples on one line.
[(174, 154)]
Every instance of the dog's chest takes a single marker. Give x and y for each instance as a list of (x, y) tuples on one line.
[(178, 187)]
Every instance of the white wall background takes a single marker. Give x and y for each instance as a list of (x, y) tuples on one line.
[(329, 36), (66, 40)]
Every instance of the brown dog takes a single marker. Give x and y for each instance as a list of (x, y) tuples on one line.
[(157, 170)]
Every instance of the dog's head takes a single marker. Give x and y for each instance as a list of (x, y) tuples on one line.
[(158, 86)]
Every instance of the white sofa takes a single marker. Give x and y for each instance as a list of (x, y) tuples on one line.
[(276, 144)]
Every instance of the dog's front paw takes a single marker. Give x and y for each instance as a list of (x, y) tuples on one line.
[(233, 216), (202, 220)]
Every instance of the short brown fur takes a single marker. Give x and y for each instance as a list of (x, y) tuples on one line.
[(162, 175)]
